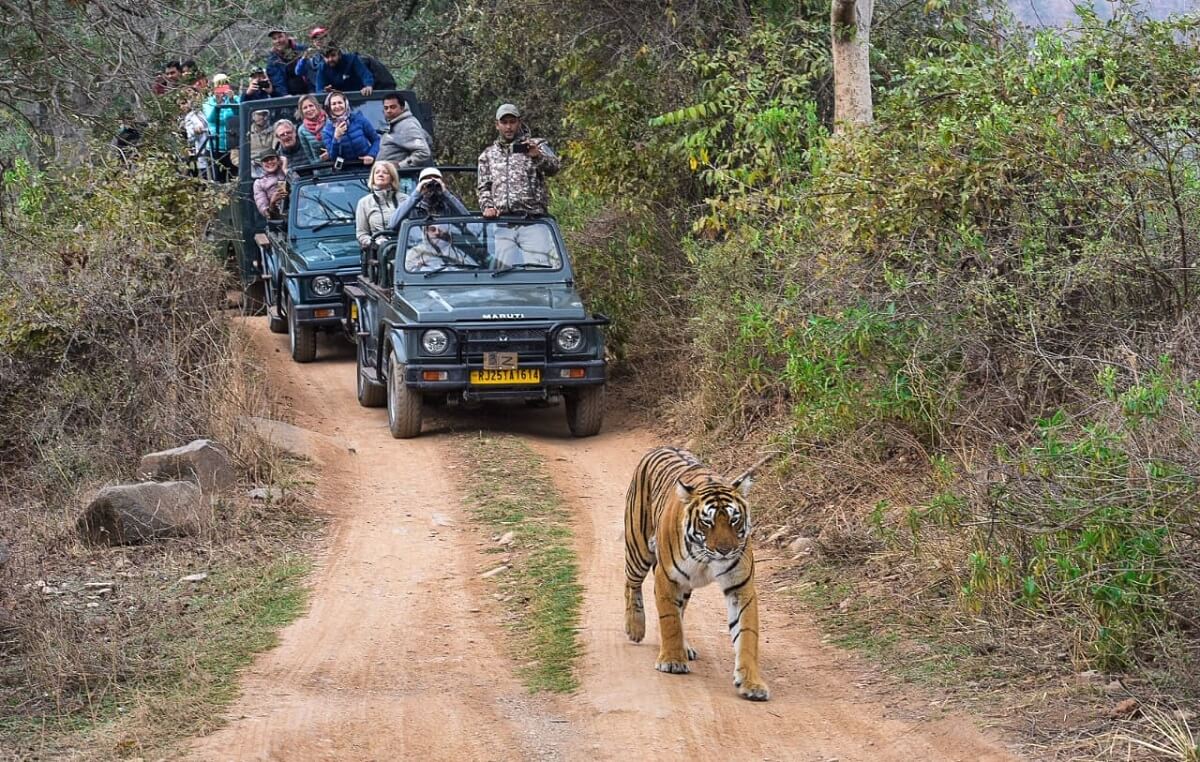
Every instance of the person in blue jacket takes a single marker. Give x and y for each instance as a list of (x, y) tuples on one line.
[(348, 134), (336, 70), (285, 54)]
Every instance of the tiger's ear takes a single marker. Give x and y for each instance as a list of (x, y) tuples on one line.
[(744, 482), (683, 491)]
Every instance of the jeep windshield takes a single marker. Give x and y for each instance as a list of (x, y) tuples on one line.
[(442, 247), (332, 202)]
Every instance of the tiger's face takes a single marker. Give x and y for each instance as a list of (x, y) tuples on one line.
[(716, 519)]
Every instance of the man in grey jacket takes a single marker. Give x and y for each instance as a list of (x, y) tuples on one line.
[(405, 143)]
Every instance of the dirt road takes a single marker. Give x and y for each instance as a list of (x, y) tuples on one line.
[(401, 655)]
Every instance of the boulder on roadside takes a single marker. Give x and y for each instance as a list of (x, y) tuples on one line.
[(203, 460), (802, 545), (127, 514), (288, 439)]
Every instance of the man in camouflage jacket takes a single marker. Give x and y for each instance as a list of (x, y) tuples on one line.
[(513, 170)]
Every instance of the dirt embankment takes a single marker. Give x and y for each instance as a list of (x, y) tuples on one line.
[(401, 655)]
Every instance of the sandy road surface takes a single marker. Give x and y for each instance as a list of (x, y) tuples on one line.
[(400, 655)]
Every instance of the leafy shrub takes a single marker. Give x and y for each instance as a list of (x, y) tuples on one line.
[(109, 321), (1086, 523), (1020, 215)]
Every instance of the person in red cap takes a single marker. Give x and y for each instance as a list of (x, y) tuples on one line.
[(317, 36), (281, 65)]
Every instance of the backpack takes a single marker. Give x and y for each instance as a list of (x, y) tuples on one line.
[(383, 78)]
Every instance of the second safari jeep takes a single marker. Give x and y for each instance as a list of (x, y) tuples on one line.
[(471, 309), (312, 254)]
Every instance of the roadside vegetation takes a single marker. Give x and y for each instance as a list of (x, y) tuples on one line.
[(114, 342), (970, 326), (536, 575)]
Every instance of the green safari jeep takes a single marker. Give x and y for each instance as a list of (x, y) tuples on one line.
[(311, 255), (469, 309)]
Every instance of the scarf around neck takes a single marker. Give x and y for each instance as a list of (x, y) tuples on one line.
[(315, 125)]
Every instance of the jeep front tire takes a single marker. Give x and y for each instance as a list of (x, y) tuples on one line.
[(585, 410), (403, 404), (370, 394), (302, 339)]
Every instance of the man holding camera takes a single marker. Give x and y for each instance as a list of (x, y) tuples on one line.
[(281, 64), (258, 87), (430, 198), (512, 180)]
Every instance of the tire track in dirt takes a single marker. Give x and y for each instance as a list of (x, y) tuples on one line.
[(395, 658)]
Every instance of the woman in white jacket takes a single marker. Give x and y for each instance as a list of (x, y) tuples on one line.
[(375, 209)]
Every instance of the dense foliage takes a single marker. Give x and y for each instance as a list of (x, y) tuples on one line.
[(109, 319), (998, 275)]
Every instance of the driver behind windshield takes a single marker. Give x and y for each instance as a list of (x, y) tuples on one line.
[(436, 251)]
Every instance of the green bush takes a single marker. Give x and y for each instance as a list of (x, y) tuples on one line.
[(1087, 522)]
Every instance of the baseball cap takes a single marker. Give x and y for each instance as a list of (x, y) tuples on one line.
[(317, 31), (269, 153), (274, 31), (427, 173), (507, 109)]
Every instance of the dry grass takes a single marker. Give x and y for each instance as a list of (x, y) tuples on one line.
[(114, 342), (138, 664)]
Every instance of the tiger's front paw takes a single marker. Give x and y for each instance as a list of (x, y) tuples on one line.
[(672, 663), (752, 689), (673, 667)]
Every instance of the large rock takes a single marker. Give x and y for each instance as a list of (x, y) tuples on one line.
[(203, 460), (288, 439), (127, 514)]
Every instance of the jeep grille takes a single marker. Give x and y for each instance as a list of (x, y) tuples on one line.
[(528, 343)]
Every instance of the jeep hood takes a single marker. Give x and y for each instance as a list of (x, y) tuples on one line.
[(513, 301), (329, 253)]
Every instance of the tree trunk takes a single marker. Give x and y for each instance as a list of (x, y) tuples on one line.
[(850, 24)]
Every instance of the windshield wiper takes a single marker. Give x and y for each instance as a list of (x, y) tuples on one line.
[(524, 266), (332, 221), (454, 266)]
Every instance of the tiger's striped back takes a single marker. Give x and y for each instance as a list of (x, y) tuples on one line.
[(652, 486)]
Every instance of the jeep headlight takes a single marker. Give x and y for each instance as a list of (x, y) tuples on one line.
[(323, 285), (569, 339), (435, 341)]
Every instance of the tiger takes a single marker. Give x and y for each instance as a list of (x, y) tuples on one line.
[(693, 528)]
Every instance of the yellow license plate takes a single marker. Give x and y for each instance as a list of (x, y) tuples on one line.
[(512, 376)]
